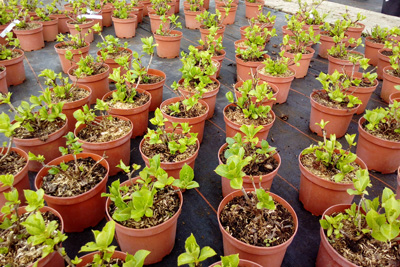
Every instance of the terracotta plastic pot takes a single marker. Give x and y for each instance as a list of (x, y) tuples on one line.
[(393, 97), (242, 263), (190, 18), (265, 256), (230, 19), (86, 28), (265, 102), (197, 123), (371, 50), (76, 55), (62, 22), (21, 179), (245, 69), (155, 21), (355, 32), (243, 32), (168, 46), (139, 116), (125, 28), (285, 31), (3, 80), (88, 258), (115, 150), (48, 148), (342, 65), (379, 154), (15, 69), (106, 12), (389, 83), (219, 58), (209, 97), (135, 12), (98, 83), (3, 39), (159, 239), (155, 89), (318, 194), (206, 4), (327, 255), (339, 118), (326, 43), (145, 3), (242, 45), (30, 40), (232, 127), (138, 11), (302, 69), (266, 182), (363, 93), (383, 61), (81, 211), (204, 32), (252, 9), (398, 184), (70, 107), (316, 28), (172, 168), (177, 4), (114, 65), (283, 83), (99, 21), (50, 29)]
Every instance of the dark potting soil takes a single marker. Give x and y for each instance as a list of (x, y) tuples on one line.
[(166, 205), (262, 228), (74, 182), (70, 46), (350, 54), (376, 41), (309, 161), (41, 129), (235, 114), (393, 73), (76, 93), (253, 87), (387, 53), (192, 88), (304, 51), (12, 163), (366, 83), (150, 150), (363, 250), (288, 73), (105, 130), (20, 253), (259, 59), (121, 53), (150, 79), (197, 110), (322, 98), (385, 130), (97, 68), (111, 263), (29, 26), (138, 100), (262, 164)]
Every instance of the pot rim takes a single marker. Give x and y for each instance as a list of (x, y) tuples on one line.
[(265, 128), (147, 104), (388, 143), (180, 98), (326, 109), (24, 169)]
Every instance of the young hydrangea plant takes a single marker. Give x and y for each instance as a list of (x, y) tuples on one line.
[(193, 255), (280, 65), (173, 24)]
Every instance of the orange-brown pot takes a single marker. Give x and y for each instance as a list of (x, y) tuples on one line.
[(48, 148), (172, 168), (266, 181), (339, 118), (139, 116), (98, 83), (155, 89), (115, 150), (232, 127), (155, 21), (30, 40), (77, 54), (379, 154), (265, 256), (3, 80), (398, 184), (204, 32), (209, 97), (355, 32), (393, 97), (15, 68), (3, 39), (326, 43), (389, 83), (285, 31), (342, 65), (197, 123), (160, 239), (62, 22), (190, 18), (283, 83), (318, 194), (302, 69), (242, 263), (265, 102), (243, 32), (371, 50), (106, 12), (252, 9), (177, 4), (50, 29), (86, 28), (125, 28), (114, 65), (81, 211), (316, 28), (383, 61), (88, 258), (168, 46), (145, 3), (363, 93), (230, 19), (244, 69)]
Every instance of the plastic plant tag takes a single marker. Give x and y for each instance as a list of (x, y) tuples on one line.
[(91, 15), (9, 28)]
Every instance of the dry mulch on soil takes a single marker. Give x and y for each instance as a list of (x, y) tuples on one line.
[(41, 131), (139, 100), (106, 131), (322, 98), (235, 114)]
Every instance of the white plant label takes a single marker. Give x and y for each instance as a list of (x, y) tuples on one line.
[(9, 28), (89, 16)]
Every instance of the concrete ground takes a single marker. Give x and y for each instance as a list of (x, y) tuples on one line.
[(373, 5)]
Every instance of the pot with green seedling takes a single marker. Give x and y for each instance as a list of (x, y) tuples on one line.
[(104, 134), (56, 11), (3, 80), (333, 104), (379, 140), (254, 34), (228, 11), (254, 212), (161, 7), (374, 42), (253, 8), (254, 31), (73, 184), (246, 111), (265, 20), (391, 75), (296, 46), (191, 10), (262, 167), (124, 23), (168, 40), (50, 24), (146, 208), (208, 20), (328, 32), (234, 261), (177, 146), (80, 24), (61, 90), (129, 101), (278, 72), (5, 19), (12, 58), (327, 170), (36, 130), (256, 90), (355, 28), (341, 59), (29, 34), (395, 96), (136, 9), (309, 14), (35, 226), (372, 225)]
